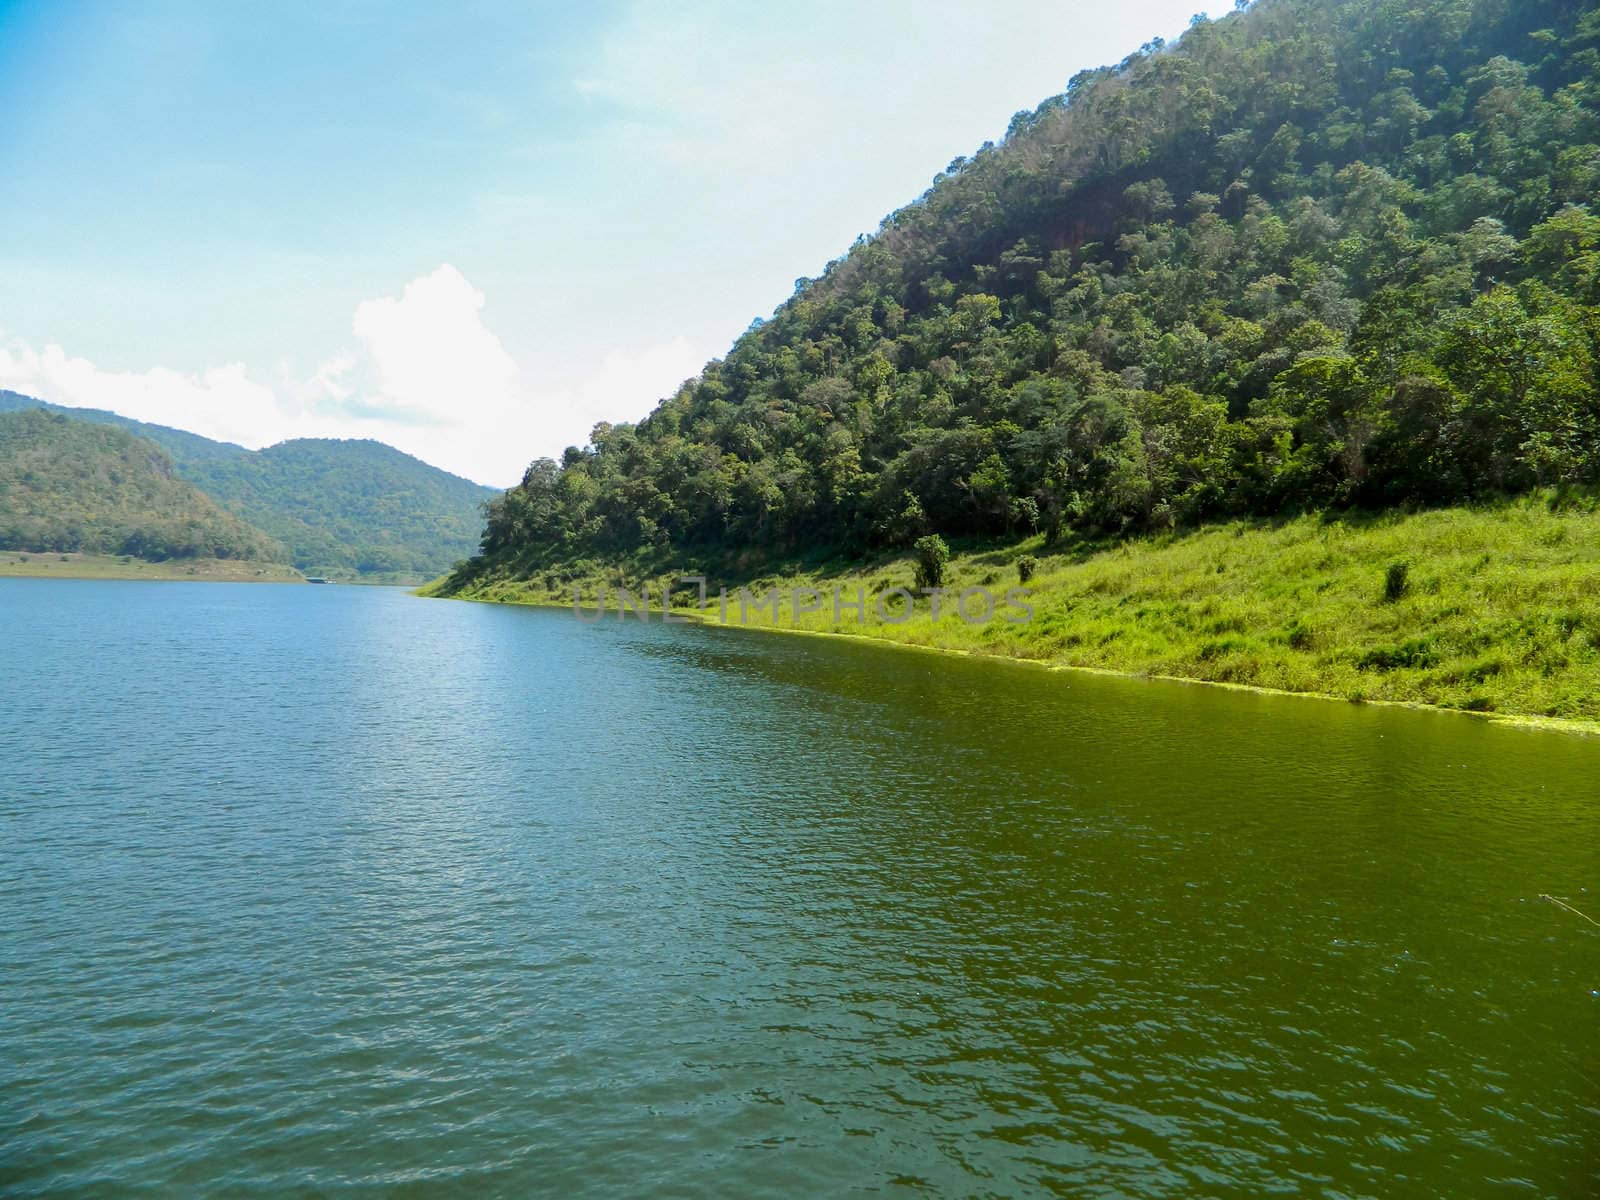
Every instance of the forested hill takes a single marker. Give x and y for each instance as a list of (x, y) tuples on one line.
[(1314, 254), (73, 486), (344, 508), (356, 506)]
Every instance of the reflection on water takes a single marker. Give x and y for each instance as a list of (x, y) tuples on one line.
[(338, 890)]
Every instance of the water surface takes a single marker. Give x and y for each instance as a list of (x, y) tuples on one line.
[(335, 891)]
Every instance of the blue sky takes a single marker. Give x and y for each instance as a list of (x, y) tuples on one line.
[(470, 230)]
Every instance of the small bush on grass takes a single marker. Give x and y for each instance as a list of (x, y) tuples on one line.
[(933, 556), (1396, 581)]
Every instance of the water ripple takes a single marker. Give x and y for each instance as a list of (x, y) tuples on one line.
[(334, 891)]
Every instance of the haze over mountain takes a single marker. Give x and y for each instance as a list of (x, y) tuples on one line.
[(351, 505), (77, 487), (347, 508)]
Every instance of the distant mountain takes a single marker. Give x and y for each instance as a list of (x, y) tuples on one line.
[(356, 506), (347, 508), (183, 447), (77, 487)]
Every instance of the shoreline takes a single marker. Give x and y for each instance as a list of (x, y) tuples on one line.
[(1530, 721), (28, 564)]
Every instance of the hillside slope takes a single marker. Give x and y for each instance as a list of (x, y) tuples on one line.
[(345, 508), (351, 506), (1317, 254), (1492, 609), (182, 446), (76, 487)]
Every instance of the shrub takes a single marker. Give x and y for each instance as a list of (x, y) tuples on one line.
[(1396, 581), (1026, 566), (1418, 652), (1221, 648), (932, 558)]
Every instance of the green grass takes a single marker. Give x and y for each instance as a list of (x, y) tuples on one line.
[(1496, 609), (103, 566)]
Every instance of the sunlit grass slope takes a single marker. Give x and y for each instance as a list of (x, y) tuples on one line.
[(1499, 609)]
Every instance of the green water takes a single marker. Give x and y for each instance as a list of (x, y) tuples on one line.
[(334, 891)]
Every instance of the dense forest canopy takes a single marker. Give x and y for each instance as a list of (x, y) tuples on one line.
[(340, 506), (1314, 254), (72, 486)]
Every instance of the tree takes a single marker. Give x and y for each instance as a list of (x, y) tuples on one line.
[(932, 558), (1526, 382)]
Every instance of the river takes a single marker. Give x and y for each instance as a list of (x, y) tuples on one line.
[(337, 891)]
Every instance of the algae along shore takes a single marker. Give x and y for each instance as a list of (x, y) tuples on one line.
[(1492, 609)]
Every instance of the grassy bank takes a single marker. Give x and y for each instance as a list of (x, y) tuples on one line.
[(1493, 609), (99, 566)]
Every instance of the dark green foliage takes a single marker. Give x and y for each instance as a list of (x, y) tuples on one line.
[(72, 486), (932, 558), (1419, 652), (1396, 581), (1026, 566), (1314, 255), (342, 507)]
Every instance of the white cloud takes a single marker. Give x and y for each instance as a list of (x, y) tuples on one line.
[(222, 403), (432, 356), (624, 387), (427, 376), (775, 89)]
